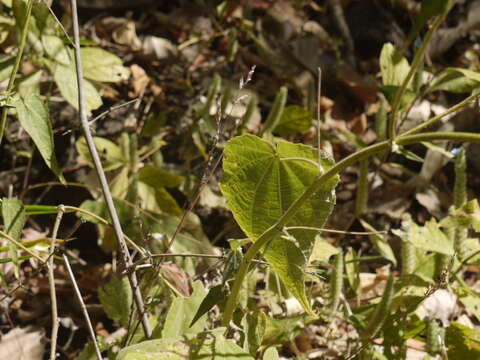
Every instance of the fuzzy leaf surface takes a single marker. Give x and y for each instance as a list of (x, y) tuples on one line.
[(261, 182)]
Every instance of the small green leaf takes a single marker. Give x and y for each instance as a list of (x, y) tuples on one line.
[(270, 354), (260, 183), (456, 80), (429, 237), (294, 120), (255, 324), (66, 80), (33, 116), (56, 49), (156, 177), (6, 67), (276, 112), (103, 66), (204, 346), (322, 250), (110, 154), (14, 218), (382, 245), (394, 66), (116, 299), (182, 312), (215, 295)]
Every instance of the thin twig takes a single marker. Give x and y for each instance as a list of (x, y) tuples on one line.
[(51, 281), (23, 247), (78, 294), (102, 178), (334, 231)]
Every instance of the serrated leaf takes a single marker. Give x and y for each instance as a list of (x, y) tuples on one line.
[(294, 120), (116, 298), (182, 312), (14, 218), (110, 154), (260, 183), (428, 237), (156, 177), (33, 116), (103, 66), (66, 80), (393, 65), (468, 216)]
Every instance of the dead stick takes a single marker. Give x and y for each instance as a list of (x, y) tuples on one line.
[(124, 252)]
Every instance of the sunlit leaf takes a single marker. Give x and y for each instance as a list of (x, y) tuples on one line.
[(110, 154), (394, 66), (260, 183), (182, 312), (33, 116), (103, 66)]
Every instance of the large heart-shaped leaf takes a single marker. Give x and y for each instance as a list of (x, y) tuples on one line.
[(261, 181)]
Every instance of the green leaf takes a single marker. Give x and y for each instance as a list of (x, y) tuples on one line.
[(156, 177), (103, 66), (270, 354), (255, 324), (14, 218), (322, 250), (260, 183), (215, 295), (206, 346), (56, 49), (468, 216), (462, 342), (110, 154), (182, 312), (6, 67), (456, 80), (393, 65), (277, 110), (382, 245), (33, 116), (30, 84), (66, 80), (116, 298), (429, 237), (294, 120)]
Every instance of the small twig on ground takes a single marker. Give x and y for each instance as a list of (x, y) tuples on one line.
[(124, 252), (78, 294), (51, 281)]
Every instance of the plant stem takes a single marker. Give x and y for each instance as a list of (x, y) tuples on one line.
[(413, 69), (437, 118), (277, 228), (16, 65), (51, 280), (102, 178), (78, 294)]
